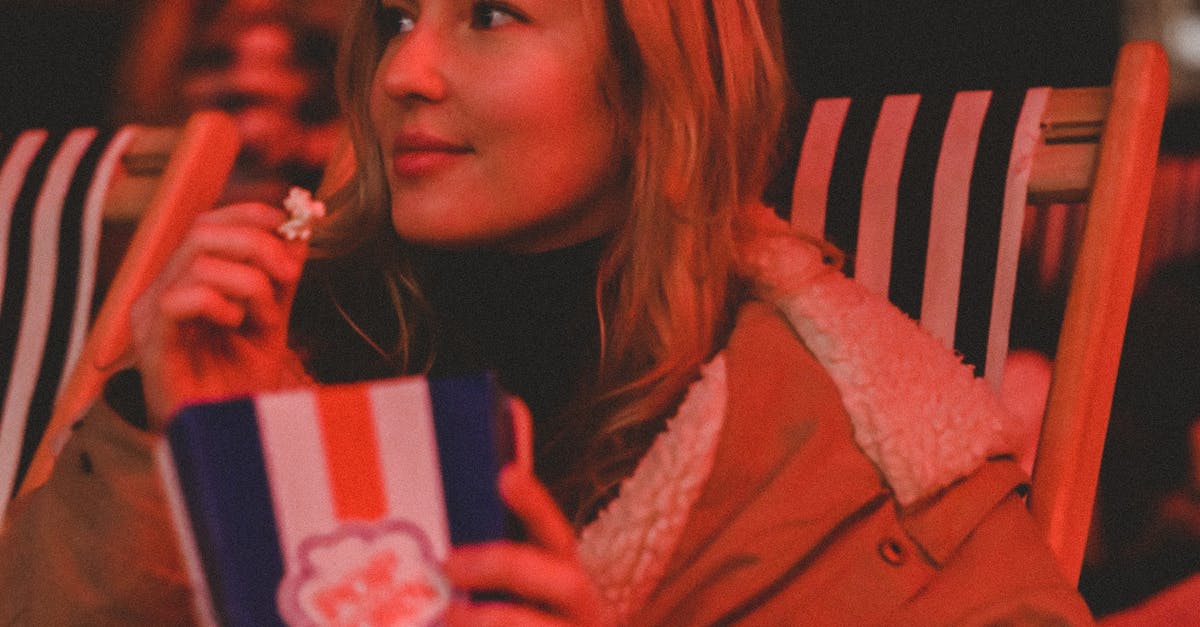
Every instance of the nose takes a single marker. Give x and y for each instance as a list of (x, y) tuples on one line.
[(414, 70)]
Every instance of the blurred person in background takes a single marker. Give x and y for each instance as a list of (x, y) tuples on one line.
[(267, 62)]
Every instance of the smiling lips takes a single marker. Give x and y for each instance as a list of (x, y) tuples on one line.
[(421, 154)]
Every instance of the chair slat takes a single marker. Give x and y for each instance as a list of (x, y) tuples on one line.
[(144, 161)]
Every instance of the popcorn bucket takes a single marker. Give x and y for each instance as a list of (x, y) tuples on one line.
[(335, 505)]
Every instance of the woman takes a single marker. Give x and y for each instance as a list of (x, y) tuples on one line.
[(566, 192)]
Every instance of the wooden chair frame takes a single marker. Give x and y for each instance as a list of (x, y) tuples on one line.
[(168, 176), (1098, 145)]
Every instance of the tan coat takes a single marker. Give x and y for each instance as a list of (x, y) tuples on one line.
[(94, 544), (795, 526)]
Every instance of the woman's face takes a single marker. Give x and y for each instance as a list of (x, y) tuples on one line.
[(492, 125)]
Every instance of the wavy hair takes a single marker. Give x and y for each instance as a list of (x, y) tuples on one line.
[(699, 88)]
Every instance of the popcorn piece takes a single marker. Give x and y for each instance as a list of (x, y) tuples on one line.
[(303, 209)]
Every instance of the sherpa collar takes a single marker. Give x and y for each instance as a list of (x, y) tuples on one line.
[(917, 411)]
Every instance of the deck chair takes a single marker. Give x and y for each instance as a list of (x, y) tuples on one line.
[(63, 196), (927, 196)]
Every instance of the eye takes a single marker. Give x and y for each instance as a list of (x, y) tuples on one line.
[(486, 15), (392, 21)]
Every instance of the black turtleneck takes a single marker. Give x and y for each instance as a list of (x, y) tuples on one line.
[(530, 318)]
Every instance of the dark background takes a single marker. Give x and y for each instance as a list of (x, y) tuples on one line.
[(57, 60), (57, 56), (843, 46)]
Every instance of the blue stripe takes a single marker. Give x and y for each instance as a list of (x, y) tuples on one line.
[(224, 478), (465, 411)]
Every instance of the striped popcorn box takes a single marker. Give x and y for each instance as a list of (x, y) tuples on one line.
[(335, 505)]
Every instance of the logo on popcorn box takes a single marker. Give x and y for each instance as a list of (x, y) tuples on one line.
[(365, 575)]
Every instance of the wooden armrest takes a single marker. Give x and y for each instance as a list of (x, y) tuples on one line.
[(1065, 158), (138, 172)]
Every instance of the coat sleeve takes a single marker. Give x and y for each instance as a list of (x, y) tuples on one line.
[(94, 545), (991, 563)]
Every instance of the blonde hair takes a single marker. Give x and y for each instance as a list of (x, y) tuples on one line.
[(699, 89)]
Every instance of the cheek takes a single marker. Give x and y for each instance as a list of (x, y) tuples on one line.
[(381, 109), (558, 125)]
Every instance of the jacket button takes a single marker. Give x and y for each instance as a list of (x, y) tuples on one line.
[(85, 463), (892, 551)]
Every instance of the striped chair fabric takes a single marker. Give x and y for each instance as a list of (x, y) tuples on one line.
[(52, 190), (926, 195), (929, 195), (67, 199)]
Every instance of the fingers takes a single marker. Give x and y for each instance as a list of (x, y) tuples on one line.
[(522, 427), (231, 268), (262, 215), (521, 570), (214, 321), (531, 502), (199, 302), (544, 576), (462, 612), (246, 233), (225, 293)]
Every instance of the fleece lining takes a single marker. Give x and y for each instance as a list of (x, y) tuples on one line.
[(918, 413)]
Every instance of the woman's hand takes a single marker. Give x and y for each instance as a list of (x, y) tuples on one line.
[(544, 578), (214, 322)]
